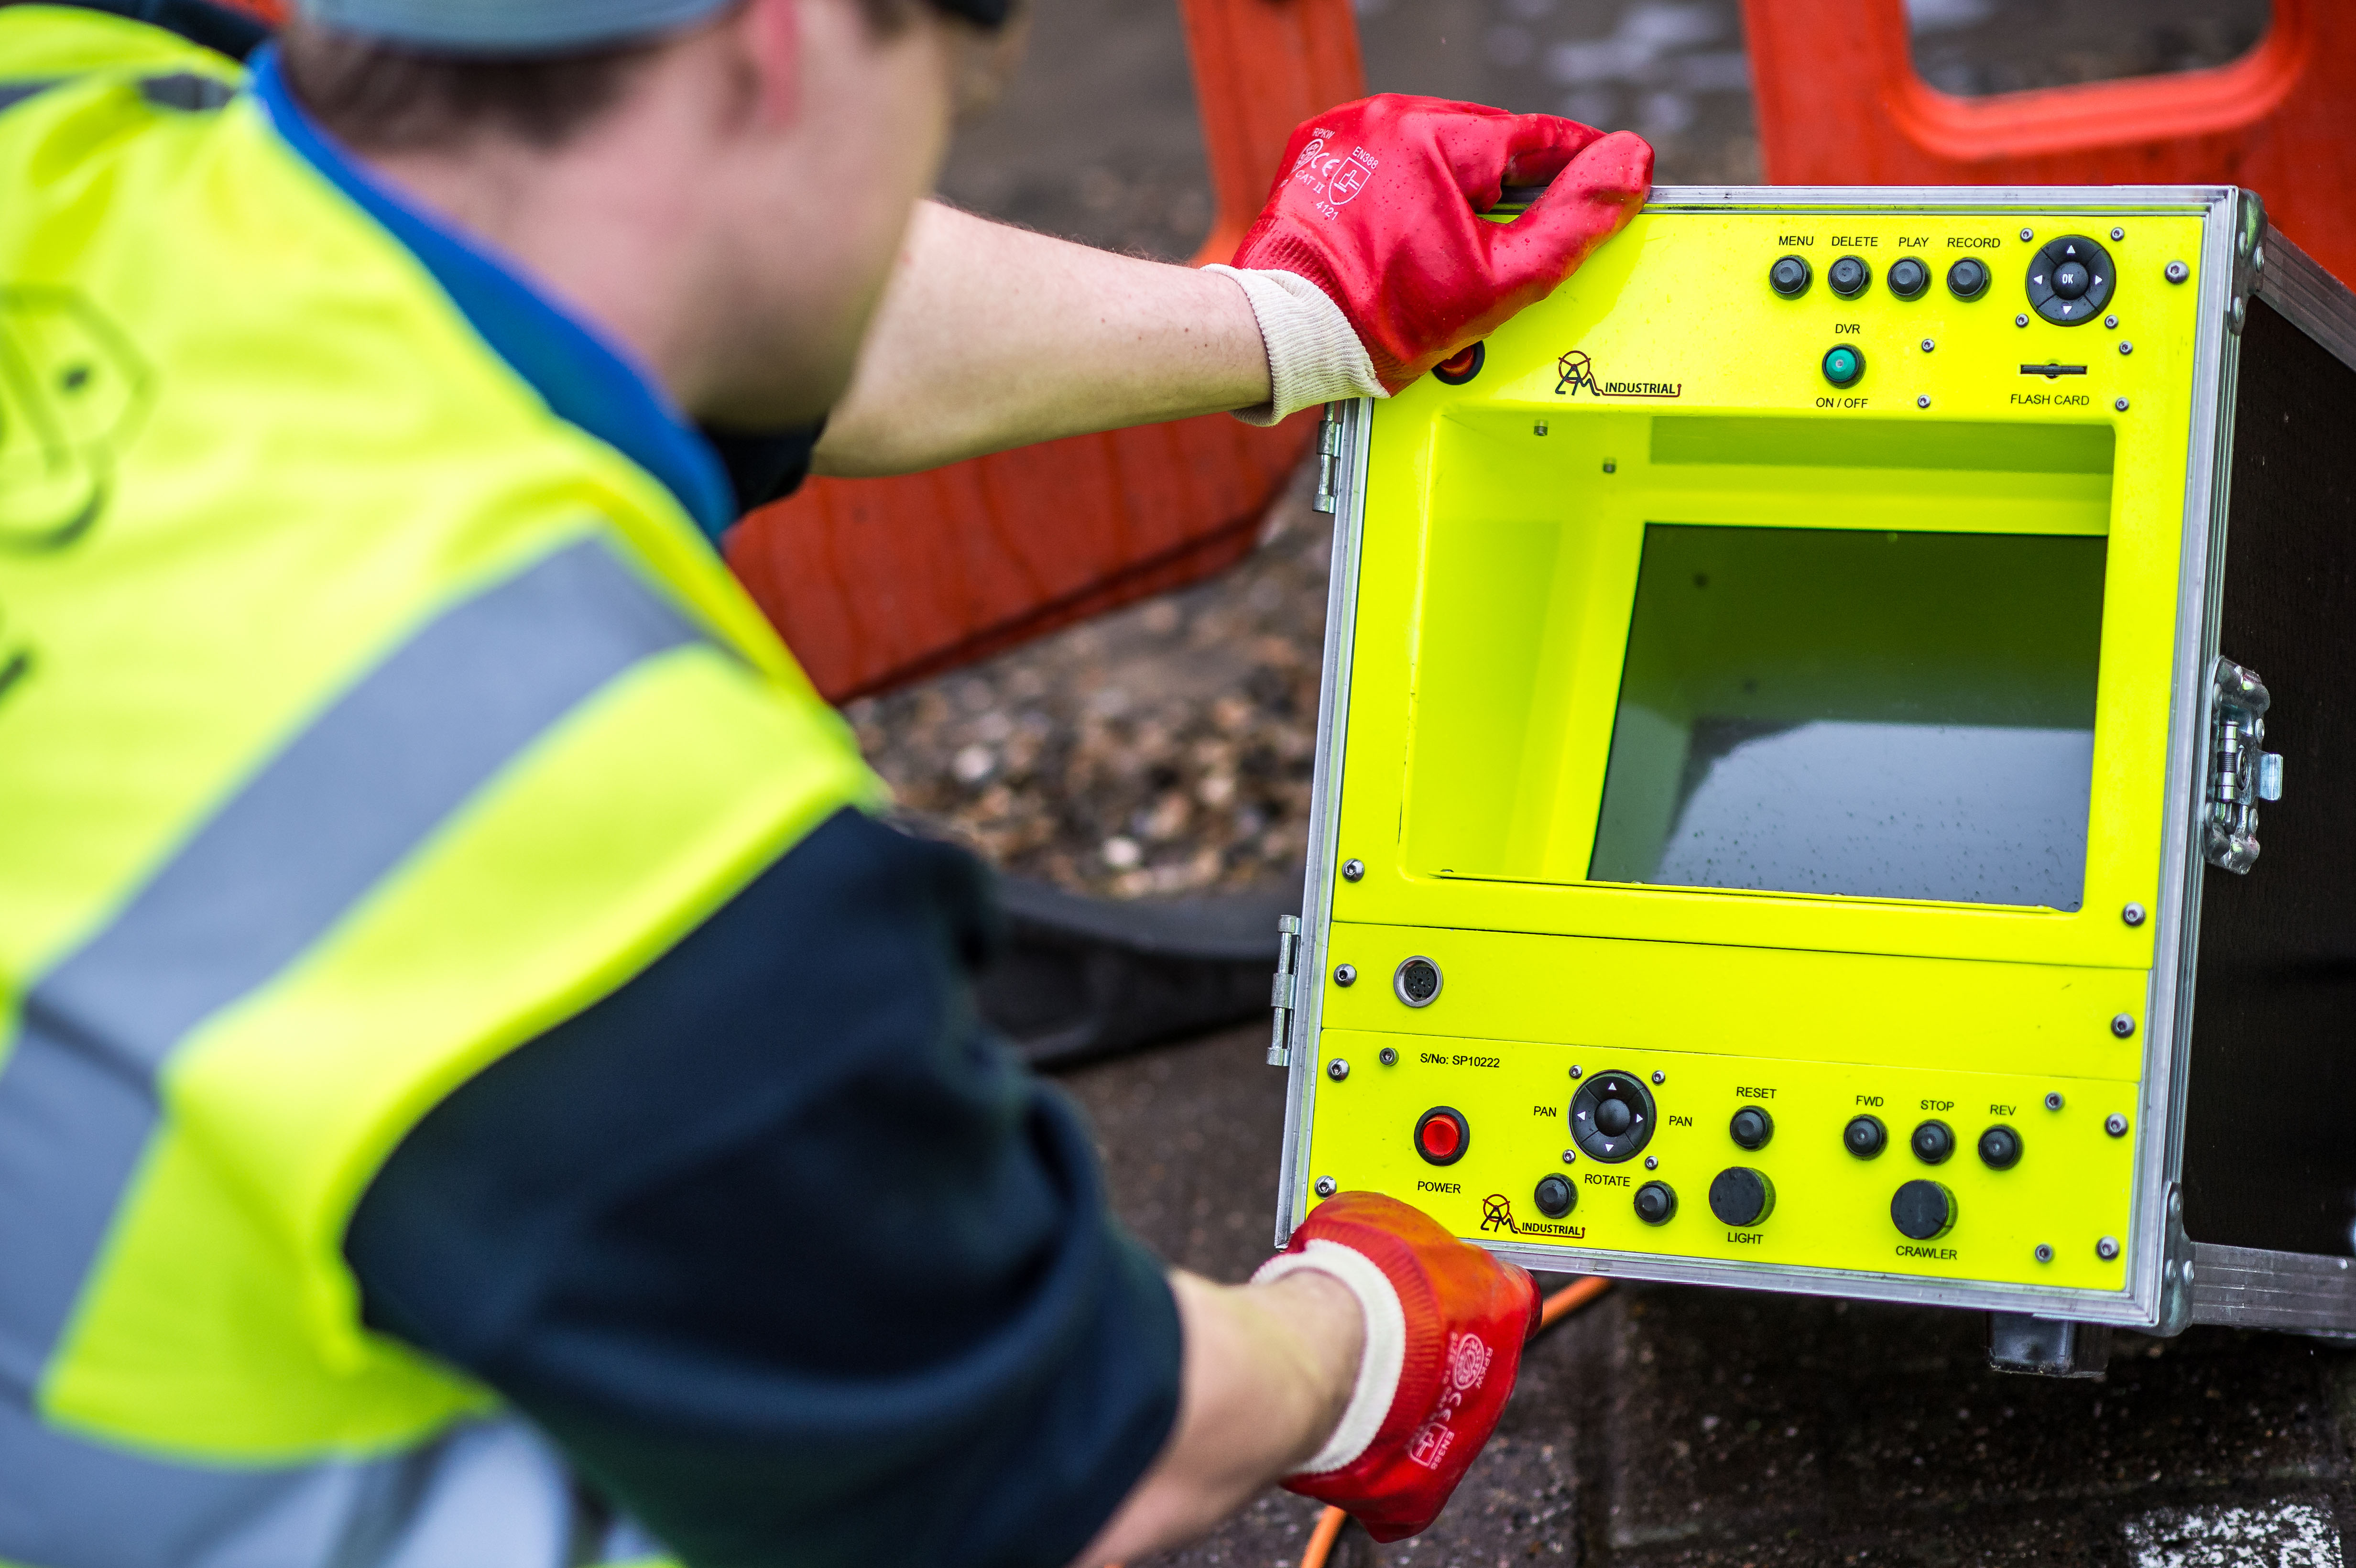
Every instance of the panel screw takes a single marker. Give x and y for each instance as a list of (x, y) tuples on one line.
[(2020, 320), (2116, 1124), (2053, 1099), (2112, 322), (1353, 869), (2121, 1025), (1575, 1071), (1659, 1076), (1390, 1058), (2044, 1253), (1928, 346), (1609, 466), (2118, 233), (1327, 1187), (1652, 1162), (2125, 346), (1345, 974), (1539, 429), (2108, 1248), (1337, 1070), (2178, 271), (1924, 401), (2029, 234), (1570, 1157), (2132, 914), (2121, 405)]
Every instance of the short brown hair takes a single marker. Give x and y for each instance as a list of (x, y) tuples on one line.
[(378, 97)]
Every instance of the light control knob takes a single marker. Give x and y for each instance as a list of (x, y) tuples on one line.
[(1741, 1197)]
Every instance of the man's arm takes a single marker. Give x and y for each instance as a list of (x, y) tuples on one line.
[(990, 336)]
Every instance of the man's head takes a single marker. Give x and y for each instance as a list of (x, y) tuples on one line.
[(722, 183)]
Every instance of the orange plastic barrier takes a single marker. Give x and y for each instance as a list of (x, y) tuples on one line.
[(879, 581), (1839, 103)]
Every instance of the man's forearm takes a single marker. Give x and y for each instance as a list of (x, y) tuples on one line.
[(990, 336), (1269, 1371)]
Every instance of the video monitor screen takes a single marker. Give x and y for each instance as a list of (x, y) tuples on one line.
[(1830, 710)]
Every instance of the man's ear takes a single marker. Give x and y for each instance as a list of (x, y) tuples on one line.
[(771, 31)]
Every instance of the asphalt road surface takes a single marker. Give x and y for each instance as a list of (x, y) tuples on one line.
[(1665, 1425)]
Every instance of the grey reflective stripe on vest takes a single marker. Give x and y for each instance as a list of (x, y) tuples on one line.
[(487, 1495), (295, 849)]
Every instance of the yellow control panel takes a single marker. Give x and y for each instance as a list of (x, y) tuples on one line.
[(1746, 770)]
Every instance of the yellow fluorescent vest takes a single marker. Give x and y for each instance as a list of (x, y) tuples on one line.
[(359, 719)]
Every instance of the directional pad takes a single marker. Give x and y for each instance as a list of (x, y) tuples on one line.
[(1611, 1117), (2070, 280)]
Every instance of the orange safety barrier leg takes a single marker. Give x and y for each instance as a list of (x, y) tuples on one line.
[(1839, 103), (874, 582)]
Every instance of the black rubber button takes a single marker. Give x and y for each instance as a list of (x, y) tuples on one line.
[(1656, 1201), (1790, 276), (1849, 277), (1923, 1210), (1751, 1127), (1999, 1147), (1741, 1197), (1555, 1197), (1461, 366), (1967, 279), (2071, 279), (1442, 1134), (1909, 277), (1934, 1141), (1612, 1116), (1865, 1136)]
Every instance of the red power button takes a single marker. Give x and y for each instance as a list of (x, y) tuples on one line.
[(1441, 1135)]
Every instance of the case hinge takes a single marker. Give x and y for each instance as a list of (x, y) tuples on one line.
[(1329, 458), (1280, 989), (2241, 773)]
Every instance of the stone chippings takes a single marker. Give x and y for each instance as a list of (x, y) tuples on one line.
[(1677, 1427), (1166, 749)]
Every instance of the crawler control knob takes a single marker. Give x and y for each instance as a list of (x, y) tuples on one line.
[(1741, 1197), (1751, 1127), (1656, 1202), (1922, 1210), (1934, 1141)]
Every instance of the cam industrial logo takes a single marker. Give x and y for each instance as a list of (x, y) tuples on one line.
[(1579, 371)]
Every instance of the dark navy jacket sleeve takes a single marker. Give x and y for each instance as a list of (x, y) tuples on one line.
[(793, 1258)]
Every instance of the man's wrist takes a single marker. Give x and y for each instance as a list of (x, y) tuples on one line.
[(1351, 1338)]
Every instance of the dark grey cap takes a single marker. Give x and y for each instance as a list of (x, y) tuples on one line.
[(508, 26)]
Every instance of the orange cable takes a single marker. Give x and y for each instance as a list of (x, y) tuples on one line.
[(1554, 1308)]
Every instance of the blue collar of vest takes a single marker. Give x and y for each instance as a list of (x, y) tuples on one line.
[(585, 379)]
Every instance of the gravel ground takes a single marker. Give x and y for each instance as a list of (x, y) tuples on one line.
[(1165, 748)]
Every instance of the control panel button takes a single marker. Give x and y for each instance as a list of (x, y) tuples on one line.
[(1849, 277), (1922, 1210), (1909, 277), (1865, 1136), (2071, 279), (1461, 366), (1555, 1197), (1441, 1135), (1934, 1141), (1999, 1147), (1611, 1117), (1656, 1202), (1741, 1197), (1751, 1127), (1844, 365), (1790, 276), (1968, 279)]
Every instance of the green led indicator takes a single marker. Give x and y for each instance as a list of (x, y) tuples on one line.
[(1844, 365)]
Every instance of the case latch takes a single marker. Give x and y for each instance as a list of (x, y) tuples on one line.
[(1279, 990), (2240, 773)]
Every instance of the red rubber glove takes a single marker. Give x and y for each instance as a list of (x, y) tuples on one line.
[(1377, 207), (1445, 1326)]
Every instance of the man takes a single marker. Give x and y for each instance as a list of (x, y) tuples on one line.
[(454, 978)]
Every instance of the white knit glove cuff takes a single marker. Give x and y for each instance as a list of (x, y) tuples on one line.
[(1385, 1352), (1313, 353)]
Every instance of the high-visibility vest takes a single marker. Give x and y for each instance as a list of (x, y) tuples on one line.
[(361, 718)]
